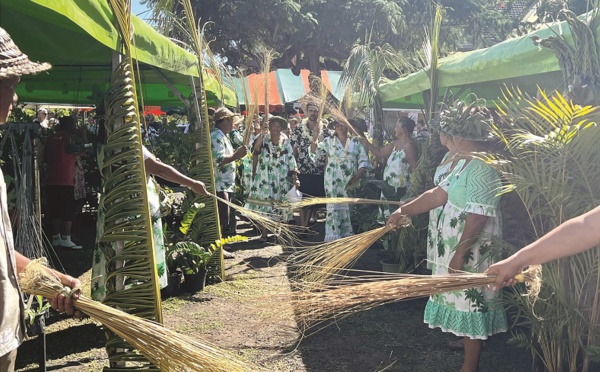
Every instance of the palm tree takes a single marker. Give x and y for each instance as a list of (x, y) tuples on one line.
[(552, 165)]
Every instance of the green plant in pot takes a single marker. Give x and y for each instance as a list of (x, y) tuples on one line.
[(36, 310), (193, 260)]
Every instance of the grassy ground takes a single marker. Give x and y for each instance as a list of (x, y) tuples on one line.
[(250, 315)]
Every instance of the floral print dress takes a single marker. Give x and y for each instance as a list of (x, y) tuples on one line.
[(343, 162), (99, 271), (475, 312), (396, 174), (272, 179), (441, 172)]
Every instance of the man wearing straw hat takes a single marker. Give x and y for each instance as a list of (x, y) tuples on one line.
[(224, 158), (14, 64)]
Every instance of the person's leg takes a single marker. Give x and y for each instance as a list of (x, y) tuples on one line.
[(52, 212), (223, 211), (472, 354), (7, 361), (67, 196)]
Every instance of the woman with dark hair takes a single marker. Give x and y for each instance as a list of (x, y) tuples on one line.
[(401, 157), (275, 172), (467, 224), (347, 162)]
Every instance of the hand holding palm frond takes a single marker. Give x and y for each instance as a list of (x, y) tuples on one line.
[(168, 350), (316, 303)]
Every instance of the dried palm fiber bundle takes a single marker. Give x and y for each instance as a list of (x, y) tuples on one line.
[(317, 303), (287, 234), (168, 350), (307, 202), (319, 263)]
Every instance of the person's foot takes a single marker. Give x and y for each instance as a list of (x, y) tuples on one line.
[(68, 243), (56, 241)]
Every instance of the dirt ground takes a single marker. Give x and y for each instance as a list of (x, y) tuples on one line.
[(247, 315)]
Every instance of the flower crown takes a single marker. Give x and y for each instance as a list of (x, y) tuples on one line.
[(472, 122)]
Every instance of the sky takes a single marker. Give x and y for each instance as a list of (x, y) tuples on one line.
[(137, 8)]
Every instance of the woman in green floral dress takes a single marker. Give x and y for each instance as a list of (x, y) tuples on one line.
[(468, 223), (441, 172), (401, 158), (275, 173), (347, 161)]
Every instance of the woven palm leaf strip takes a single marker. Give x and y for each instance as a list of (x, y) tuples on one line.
[(125, 226), (168, 350)]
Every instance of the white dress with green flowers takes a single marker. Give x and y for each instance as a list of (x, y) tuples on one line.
[(272, 179), (396, 174), (343, 163), (476, 312), (441, 172)]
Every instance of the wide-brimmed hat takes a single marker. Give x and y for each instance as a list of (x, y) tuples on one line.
[(13, 62), (282, 122), (472, 122), (222, 113)]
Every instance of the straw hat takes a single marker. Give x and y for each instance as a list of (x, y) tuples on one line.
[(278, 119), (13, 62), (225, 113)]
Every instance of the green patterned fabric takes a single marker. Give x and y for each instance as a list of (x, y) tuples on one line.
[(472, 189), (441, 172), (221, 148), (272, 179), (396, 174), (342, 164)]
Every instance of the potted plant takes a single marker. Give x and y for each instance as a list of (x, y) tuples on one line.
[(35, 313), (193, 260)]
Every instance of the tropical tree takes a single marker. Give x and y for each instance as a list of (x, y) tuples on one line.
[(551, 164), (318, 34)]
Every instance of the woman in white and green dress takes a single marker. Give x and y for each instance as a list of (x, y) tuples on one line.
[(401, 158), (468, 223), (347, 162), (275, 173), (155, 167), (441, 172)]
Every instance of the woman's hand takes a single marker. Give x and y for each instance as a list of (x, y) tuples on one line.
[(505, 272), (397, 219), (456, 263)]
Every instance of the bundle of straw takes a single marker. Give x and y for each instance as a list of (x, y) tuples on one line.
[(332, 257), (319, 303), (307, 202), (168, 350), (287, 234)]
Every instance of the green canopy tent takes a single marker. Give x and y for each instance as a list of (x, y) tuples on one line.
[(514, 62), (78, 38)]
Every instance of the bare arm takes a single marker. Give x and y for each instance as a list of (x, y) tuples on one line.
[(428, 200), (574, 236), (380, 152), (473, 227), (238, 154), (412, 155), (167, 172), (59, 302)]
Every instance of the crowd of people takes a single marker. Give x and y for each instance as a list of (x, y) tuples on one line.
[(322, 159)]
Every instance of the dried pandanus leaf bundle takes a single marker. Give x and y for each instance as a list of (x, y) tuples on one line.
[(320, 263), (168, 350), (316, 303)]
